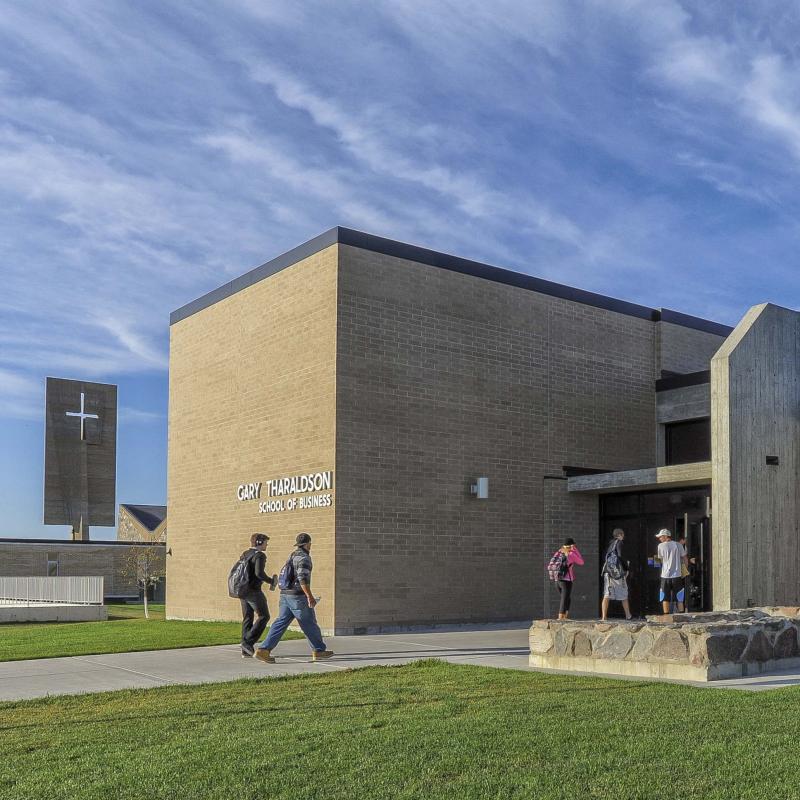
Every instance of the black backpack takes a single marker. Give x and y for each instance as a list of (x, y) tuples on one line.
[(287, 575), (240, 579), (613, 566)]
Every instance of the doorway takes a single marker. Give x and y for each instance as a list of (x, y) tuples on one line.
[(641, 515)]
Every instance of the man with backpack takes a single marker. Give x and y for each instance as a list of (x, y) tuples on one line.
[(297, 602), (245, 582), (615, 576)]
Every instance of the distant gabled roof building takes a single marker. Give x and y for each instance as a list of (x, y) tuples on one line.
[(142, 523)]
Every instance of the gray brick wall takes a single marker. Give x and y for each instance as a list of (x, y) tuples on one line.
[(443, 377), (684, 350), (575, 515)]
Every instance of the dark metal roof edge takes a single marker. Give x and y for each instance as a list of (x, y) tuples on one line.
[(697, 323), (477, 269), (102, 542), (682, 381), (435, 258)]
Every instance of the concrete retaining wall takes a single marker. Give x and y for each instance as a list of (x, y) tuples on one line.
[(53, 613)]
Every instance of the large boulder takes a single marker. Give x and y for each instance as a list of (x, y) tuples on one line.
[(671, 645), (563, 640), (643, 646), (603, 627), (783, 611), (616, 645), (785, 645), (582, 644), (541, 641), (698, 653), (758, 648), (725, 647)]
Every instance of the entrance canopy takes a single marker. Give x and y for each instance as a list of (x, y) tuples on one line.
[(643, 501), (676, 475)]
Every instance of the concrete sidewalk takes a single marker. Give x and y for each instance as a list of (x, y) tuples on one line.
[(21, 680), (494, 647)]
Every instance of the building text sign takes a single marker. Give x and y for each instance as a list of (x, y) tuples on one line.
[(281, 494)]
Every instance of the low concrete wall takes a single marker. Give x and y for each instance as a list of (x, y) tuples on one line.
[(53, 613), (698, 647)]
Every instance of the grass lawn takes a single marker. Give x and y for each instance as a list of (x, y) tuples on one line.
[(125, 631), (429, 730)]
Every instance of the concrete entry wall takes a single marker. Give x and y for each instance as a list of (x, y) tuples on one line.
[(755, 400)]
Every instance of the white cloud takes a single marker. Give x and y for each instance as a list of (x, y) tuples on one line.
[(727, 178), (372, 141), (146, 158), (21, 397)]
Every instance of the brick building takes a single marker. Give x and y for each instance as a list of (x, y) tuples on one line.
[(401, 375), (141, 523), (22, 558)]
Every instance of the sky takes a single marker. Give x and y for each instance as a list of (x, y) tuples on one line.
[(151, 151)]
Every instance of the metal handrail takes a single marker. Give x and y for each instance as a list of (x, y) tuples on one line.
[(63, 590)]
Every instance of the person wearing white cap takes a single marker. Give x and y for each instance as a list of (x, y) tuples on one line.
[(672, 555)]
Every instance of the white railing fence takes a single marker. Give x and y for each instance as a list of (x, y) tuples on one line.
[(83, 591)]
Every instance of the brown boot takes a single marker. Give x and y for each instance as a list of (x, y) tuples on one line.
[(264, 655), (319, 655)]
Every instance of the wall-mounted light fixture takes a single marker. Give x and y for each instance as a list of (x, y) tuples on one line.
[(480, 488)]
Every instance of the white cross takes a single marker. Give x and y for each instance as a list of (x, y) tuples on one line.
[(83, 417)]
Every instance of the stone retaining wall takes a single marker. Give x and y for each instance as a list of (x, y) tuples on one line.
[(679, 646)]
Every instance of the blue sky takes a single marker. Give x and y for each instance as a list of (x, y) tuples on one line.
[(151, 151)]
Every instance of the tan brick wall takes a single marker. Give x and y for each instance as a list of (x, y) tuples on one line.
[(23, 560), (443, 377), (252, 398), (408, 381)]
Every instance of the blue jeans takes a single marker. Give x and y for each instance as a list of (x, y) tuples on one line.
[(294, 607)]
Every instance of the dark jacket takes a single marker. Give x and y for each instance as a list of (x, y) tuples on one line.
[(259, 561), (301, 561)]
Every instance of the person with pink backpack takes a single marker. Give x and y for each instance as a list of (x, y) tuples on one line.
[(560, 569)]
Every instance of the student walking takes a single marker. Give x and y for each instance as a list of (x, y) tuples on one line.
[(673, 558), (297, 602), (255, 613), (566, 557), (615, 576)]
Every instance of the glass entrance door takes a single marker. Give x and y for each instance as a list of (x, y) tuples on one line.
[(641, 515)]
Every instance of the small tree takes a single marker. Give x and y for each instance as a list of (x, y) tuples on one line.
[(146, 564)]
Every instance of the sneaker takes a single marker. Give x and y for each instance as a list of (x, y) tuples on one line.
[(318, 655), (248, 650), (264, 655)]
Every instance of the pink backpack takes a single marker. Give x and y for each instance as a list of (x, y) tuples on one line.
[(557, 566)]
